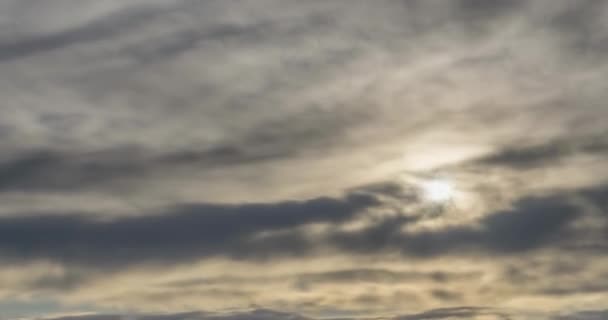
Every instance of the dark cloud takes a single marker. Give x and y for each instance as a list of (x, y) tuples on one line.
[(393, 190), (174, 316), (487, 10), (547, 153), (257, 231), (105, 27), (578, 27), (455, 313), (527, 157), (186, 232), (258, 314), (446, 295), (585, 315), (599, 197), (267, 314), (55, 171), (93, 317), (186, 40), (583, 288), (533, 223), (47, 170), (60, 171)]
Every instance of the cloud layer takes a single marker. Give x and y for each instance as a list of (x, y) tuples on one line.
[(161, 157)]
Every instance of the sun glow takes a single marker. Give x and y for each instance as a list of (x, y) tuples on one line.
[(437, 190)]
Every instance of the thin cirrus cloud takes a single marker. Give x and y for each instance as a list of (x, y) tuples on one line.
[(161, 157)]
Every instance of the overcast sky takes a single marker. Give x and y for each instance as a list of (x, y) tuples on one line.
[(303, 160)]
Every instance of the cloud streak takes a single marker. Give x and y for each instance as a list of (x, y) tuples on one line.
[(255, 231), (187, 232)]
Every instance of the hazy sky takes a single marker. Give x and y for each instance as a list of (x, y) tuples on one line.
[(300, 160)]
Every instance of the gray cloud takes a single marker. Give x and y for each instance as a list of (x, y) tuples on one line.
[(599, 196), (438, 314), (585, 315), (186, 232), (201, 230), (445, 313), (458, 312), (259, 314), (103, 28), (240, 131), (56, 171), (533, 223), (147, 76), (547, 153)]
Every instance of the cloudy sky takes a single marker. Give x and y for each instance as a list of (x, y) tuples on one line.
[(303, 160)]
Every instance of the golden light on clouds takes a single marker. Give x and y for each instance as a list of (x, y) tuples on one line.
[(437, 190), (345, 159)]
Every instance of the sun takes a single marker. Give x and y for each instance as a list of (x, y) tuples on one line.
[(437, 190)]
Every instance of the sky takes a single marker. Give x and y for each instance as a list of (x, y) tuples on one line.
[(303, 160)]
